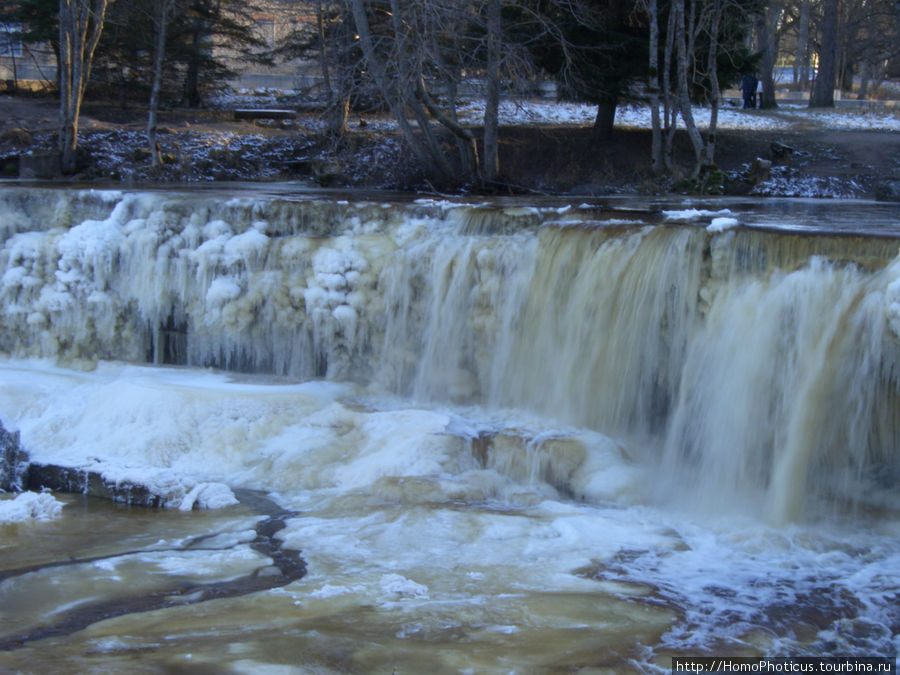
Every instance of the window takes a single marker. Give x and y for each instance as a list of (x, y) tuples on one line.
[(10, 44)]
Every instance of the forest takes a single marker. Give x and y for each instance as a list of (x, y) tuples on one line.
[(415, 60)]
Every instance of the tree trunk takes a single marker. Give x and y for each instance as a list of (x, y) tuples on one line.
[(802, 56), (605, 120), (409, 84), (323, 54), (768, 45), (865, 77), (164, 8), (684, 101), (473, 167), (80, 26), (712, 67), (823, 89), (491, 152), (192, 78), (656, 158), (669, 107), (337, 102)]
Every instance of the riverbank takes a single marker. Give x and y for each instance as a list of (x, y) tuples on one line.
[(830, 154)]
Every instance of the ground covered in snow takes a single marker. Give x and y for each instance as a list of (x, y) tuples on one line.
[(840, 153)]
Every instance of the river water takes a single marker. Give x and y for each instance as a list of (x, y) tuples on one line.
[(511, 436)]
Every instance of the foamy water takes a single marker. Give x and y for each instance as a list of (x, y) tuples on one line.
[(417, 538)]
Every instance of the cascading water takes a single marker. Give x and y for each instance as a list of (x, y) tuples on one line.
[(539, 364)]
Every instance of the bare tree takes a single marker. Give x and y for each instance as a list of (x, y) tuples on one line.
[(398, 94), (653, 89), (162, 12), (697, 37), (80, 26), (682, 92), (335, 76), (712, 69), (417, 54)]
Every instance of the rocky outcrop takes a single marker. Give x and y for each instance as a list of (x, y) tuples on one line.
[(888, 191), (157, 488), (13, 462), (92, 483)]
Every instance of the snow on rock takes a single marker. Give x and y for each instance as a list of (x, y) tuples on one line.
[(208, 496), (331, 591), (30, 506), (165, 488), (722, 223), (691, 215), (222, 290), (129, 484), (248, 247), (397, 587)]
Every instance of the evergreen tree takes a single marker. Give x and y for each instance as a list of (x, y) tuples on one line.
[(204, 40), (595, 50), (202, 31)]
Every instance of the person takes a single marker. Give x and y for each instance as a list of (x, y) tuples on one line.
[(748, 90)]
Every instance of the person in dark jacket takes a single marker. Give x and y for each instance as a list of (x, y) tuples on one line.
[(748, 90)]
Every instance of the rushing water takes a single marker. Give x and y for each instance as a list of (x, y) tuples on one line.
[(504, 436)]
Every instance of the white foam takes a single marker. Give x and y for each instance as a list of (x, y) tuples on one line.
[(892, 304), (30, 506)]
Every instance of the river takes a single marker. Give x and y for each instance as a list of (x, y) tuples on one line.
[(518, 435)]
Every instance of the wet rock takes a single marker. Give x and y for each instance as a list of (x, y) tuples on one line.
[(17, 136), (40, 165), (781, 153), (14, 462), (888, 191), (9, 166), (92, 483), (155, 488), (759, 171)]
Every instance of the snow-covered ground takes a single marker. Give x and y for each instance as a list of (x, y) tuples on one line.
[(543, 112)]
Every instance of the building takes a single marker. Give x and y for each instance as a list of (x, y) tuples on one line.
[(22, 65)]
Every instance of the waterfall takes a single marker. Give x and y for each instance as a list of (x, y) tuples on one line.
[(751, 366)]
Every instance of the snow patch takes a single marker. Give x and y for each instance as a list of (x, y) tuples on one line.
[(722, 223)]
